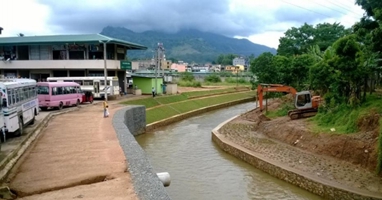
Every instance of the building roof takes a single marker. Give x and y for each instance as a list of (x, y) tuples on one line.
[(64, 39)]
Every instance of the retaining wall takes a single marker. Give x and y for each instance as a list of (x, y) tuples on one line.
[(128, 122), (315, 185)]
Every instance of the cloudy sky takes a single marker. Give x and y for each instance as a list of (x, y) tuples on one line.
[(261, 21)]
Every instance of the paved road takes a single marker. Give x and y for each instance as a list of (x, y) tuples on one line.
[(77, 156)]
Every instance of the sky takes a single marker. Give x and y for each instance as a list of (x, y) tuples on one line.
[(260, 21)]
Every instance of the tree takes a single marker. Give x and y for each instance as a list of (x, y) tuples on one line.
[(373, 8), (297, 41), (283, 66), (262, 67), (300, 68)]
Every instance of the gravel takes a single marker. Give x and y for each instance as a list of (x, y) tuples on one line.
[(146, 183)]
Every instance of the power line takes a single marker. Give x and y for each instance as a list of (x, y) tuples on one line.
[(305, 8), (311, 9), (342, 6), (335, 10)]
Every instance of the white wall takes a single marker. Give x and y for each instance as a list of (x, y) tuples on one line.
[(59, 64)]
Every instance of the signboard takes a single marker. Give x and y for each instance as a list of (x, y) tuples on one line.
[(126, 65)]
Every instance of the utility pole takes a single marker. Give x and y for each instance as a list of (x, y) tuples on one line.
[(105, 67), (159, 55)]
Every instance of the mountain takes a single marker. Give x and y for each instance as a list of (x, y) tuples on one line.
[(186, 45)]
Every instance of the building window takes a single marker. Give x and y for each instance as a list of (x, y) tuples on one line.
[(76, 55)]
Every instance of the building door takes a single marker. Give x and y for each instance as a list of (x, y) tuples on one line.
[(96, 88)]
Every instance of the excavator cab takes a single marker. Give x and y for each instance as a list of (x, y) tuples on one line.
[(303, 100)]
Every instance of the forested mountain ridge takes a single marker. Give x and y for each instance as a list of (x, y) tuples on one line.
[(187, 45)]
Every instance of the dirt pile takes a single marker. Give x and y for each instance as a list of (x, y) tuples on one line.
[(359, 148)]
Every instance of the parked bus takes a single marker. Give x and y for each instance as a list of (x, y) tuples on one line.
[(19, 103), (3, 128), (94, 84), (58, 94)]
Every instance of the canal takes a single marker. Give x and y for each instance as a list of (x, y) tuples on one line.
[(200, 170)]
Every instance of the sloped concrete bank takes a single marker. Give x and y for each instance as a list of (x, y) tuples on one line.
[(319, 186)]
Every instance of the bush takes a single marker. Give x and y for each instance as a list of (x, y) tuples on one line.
[(189, 83), (186, 76), (213, 78), (230, 80)]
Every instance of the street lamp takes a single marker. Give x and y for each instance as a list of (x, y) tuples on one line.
[(105, 66)]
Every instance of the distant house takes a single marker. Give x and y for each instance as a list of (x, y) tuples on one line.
[(178, 67), (234, 69), (215, 68), (239, 61), (197, 68)]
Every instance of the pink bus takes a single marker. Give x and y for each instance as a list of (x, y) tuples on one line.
[(58, 94)]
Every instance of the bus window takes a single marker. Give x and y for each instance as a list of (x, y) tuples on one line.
[(15, 95), (68, 80), (65, 90), (42, 90), (60, 90), (26, 92), (54, 91)]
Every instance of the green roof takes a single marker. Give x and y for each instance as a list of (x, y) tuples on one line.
[(64, 39)]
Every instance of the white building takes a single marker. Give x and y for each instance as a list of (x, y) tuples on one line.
[(238, 61), (39, 57)]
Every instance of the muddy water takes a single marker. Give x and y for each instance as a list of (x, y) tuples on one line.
[(200, 170)]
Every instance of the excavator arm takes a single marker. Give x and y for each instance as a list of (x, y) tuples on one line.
[(261, 88)]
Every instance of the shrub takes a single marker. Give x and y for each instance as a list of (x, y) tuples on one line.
[(213, 78), (186, 76), (189, 83)]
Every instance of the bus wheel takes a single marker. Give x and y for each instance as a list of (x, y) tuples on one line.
[(78, 102), (60, 106), (44, 108)]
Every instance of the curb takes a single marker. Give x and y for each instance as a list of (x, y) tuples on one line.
[(319, 186), (192, 113), (11, 159)]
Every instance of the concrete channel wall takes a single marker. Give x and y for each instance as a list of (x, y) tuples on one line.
[(128, 122), (317, 186), (131, 121)]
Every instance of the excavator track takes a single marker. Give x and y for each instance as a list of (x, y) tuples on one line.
[(299, 114)]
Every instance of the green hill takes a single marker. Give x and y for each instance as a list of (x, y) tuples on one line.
[(187, 45)]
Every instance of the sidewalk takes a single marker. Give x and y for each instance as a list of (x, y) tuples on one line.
[(11, 153), (76, 156)]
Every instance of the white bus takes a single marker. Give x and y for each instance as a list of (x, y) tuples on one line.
[(94, 84), (19, 103)]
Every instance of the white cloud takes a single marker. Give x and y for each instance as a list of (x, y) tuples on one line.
[(261, 21), (24, 16)]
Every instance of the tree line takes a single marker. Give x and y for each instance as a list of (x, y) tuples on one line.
[(341, 64)]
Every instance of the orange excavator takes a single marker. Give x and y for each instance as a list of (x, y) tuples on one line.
[(306, 104)]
